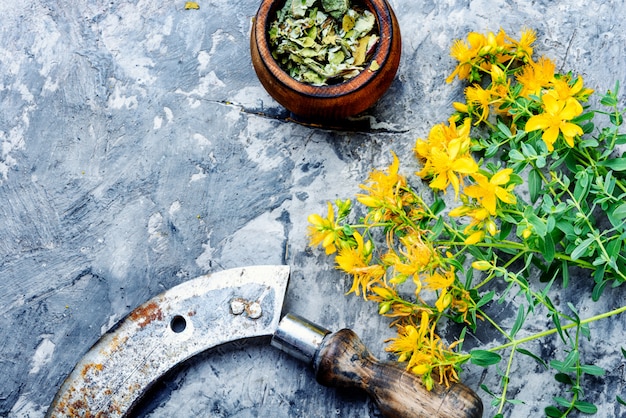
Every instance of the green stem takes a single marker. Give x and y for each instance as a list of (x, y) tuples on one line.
[(551, 331), (505, 379)]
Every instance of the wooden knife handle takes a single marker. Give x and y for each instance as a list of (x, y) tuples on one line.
[(344, 361)]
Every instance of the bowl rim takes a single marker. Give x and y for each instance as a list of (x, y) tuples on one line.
[(384, 20)]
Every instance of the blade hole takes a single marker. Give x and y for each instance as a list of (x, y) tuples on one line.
[(178, 324)]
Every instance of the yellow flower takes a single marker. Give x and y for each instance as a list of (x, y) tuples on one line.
[(384, 192), (564, 89), (413, 344), (446, 155), (441, 282), (466, 54), (355, 260), (418, 254), (523, 48), (536, 76), (324, 231), (555, 119), (479, 98), (414, 259), (487, 192), (424, 352)]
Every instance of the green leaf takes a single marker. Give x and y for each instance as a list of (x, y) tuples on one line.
[(562, 401), (575, 312), (504, 129), (556, 321), (528, 150), (534, 184), (488, 297), (519, 321), (615, 164), (598, 289), (616, 119), (592, 370), (553, 412), (563, 378), (484, 358), (547, 248), (492, 150), (505, 230), (581, 189), (585, 407), (620, 139), (584, 117), (437, 206), (609, 100), (581, 249), (538, 224), (533, 356), (437, 228), (620, 400), (617, 215), (562, 366), (486, 389), (515, 155), (540, 162)]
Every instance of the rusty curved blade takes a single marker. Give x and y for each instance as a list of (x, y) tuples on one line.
[(170, 328)]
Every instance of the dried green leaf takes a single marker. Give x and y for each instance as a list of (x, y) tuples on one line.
[(320, 47), (365, 23), (336, 8)]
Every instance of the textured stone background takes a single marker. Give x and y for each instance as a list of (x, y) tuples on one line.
[(139, 150)]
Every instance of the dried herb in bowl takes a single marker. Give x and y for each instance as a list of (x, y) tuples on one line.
[(323, 41)]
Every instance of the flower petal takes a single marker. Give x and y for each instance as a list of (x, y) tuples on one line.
[(536, 122), (549, 137), (572, 109), (501, 177)]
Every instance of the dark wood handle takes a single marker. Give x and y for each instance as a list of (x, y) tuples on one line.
[(343, 361)]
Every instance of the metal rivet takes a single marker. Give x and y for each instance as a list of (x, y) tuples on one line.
[(254, 310), (237, 306)]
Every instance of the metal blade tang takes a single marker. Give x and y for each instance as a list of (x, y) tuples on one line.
[(170, 328)]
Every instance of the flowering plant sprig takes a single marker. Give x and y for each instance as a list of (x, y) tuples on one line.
[(522, 127)]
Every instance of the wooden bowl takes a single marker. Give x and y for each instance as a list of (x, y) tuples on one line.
[(330, 102)]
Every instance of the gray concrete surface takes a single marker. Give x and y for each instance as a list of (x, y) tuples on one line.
[(139, 150)]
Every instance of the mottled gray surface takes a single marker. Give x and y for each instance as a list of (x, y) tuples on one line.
[(138, 150)]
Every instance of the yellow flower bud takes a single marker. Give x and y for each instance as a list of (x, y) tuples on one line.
[(383, 292), (419, 369), (482, 265), (527, 233), (474, 238), (428, 382), (459, 211), (460, 107), (384, 307)]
